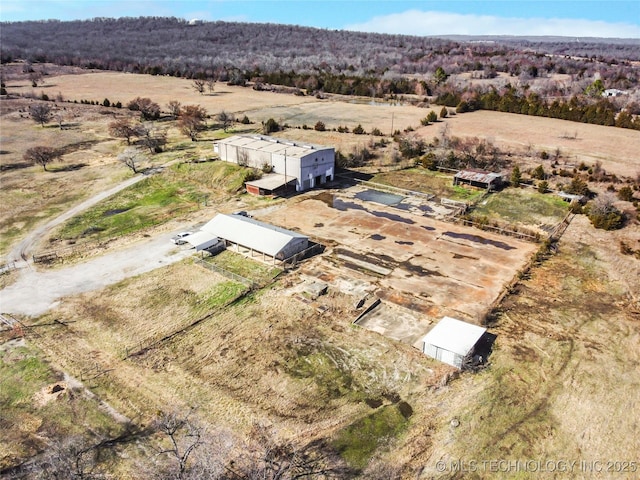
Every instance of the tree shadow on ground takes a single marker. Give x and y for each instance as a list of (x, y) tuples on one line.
[(68, 168), (15, 166)]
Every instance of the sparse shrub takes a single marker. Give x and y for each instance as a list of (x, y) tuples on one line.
[(578, 187), (429, 161), (376, 132), (626, 194), (319, 126), (516, 176), (538, 173), (604, 215)]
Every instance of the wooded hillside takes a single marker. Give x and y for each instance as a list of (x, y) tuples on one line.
[(317, 61)]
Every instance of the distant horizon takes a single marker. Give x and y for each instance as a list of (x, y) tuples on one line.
[(472, 18)]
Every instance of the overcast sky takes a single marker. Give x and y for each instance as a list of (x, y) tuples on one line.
[(590, 18)]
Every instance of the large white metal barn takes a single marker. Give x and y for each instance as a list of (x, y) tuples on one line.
[(451, 340), (309, 165), (256, 237)]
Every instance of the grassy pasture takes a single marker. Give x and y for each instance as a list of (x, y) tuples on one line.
[(615, 148), (253, 270), (33, 411), (174, 193), (426, 181), (523, 207), (358, 442)]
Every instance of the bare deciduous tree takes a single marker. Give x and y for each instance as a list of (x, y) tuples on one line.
[(36, 78), (198, 85), (182, 437), (41, 113), (243, 158), (174, 107), (73, 458), (266, 457), (149, 110), (41, 155), (122, 128), (226, 119), (192, 121), (211, 84), (131, 157), (152, 138)]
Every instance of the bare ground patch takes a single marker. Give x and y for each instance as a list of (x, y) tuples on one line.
[(562, 378), (433, 267)]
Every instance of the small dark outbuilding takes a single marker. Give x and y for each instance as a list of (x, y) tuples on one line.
[(478, 178)]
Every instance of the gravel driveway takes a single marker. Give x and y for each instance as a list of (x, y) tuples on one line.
[(35, 292)]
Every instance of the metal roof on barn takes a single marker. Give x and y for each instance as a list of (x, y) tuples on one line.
[(454, 335), (201, 240), (272, 145), (271, 181), (250, 233), (479, 176)]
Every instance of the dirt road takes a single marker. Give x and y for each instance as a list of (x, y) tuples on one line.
[(36, 291), (21, 252)]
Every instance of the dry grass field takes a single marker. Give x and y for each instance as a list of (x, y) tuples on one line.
[(615, 148), (564, 381), (562, 384)]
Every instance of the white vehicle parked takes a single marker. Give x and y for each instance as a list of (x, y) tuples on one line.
[(179, 238)]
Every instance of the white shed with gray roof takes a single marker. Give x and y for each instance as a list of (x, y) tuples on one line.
[(451, 340), (256, 236)]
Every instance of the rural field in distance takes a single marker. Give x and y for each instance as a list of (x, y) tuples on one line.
[(272, 367)]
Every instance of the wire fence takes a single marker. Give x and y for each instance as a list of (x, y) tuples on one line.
[(224, 272)]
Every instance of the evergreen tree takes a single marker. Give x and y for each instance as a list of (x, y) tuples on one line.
[(516, 176)]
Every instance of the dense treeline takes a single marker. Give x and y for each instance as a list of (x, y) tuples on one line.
[(173, 46), (317, 61), (576, 109)]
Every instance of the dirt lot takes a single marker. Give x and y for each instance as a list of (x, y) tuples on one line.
[(430, 267)]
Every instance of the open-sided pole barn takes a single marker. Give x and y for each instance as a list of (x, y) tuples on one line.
[(257, 237)]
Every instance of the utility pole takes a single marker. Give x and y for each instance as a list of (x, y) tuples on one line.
[(286, 181)]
